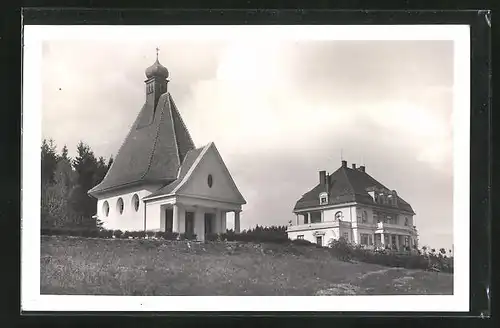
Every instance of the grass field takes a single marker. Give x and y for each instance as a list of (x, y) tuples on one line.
[(135, 267)]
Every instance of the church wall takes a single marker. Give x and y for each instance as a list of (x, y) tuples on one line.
[(129, 219), (222, 186)]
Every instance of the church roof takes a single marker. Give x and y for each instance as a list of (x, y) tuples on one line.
[(348, 185), (154, 149)]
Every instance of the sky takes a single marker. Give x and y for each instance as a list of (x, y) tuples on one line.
[(278, 113)]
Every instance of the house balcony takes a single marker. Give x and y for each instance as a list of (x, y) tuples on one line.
[(318, 225), (395, 228)]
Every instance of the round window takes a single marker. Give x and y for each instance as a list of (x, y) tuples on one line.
[(119, 205), (105, 208), (210, 180), (135, 202)]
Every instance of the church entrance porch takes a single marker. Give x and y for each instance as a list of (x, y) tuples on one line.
[(192, 220)]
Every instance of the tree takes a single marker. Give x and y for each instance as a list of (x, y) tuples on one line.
[(85, 165), (49, 161), (64, 154)]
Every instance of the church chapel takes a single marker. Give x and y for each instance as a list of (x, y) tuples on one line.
[(160, 180)]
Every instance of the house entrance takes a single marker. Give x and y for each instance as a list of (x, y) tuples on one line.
[(209, 223), (319, 240)]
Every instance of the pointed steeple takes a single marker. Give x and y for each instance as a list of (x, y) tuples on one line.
[(155, 146)]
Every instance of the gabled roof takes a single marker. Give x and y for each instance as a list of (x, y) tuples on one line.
[(190, 163), (153, 150), (347, 185)]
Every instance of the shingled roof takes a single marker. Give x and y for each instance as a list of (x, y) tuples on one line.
[(154, 149), (347, 185)]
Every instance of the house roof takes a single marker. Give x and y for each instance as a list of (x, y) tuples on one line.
[(347, 185), (154, 149)]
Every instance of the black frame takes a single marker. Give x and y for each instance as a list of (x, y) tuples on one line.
[(480, 129)]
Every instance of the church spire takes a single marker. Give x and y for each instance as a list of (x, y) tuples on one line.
[(156, 83)]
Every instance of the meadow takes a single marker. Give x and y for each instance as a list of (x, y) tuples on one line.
[(79, 266)]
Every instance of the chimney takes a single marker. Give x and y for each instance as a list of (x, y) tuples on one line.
[(353, 166), (322, 177), (362, 168), (344, 163)]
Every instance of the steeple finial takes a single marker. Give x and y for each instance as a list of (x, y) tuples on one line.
[(157, 50)]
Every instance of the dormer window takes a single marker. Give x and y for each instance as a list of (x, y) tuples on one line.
[(323, 198)]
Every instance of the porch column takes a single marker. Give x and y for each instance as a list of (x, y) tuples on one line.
[(217, 223), (373, 240), (237, 221), (309, 217), (382, 239), (297, 219), (223, 221), (175, 218)]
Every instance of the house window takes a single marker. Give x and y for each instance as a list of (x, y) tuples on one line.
[(406, 221), (338, 215), (301, 237), (135, 202), (119, 205), (105, 208), (323, 198), (319, 240), (364, 239), (407, 241), (346, 236), (364, 217)]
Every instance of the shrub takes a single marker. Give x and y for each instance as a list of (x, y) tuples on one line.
[(212, 237), (301, 242), (150, 233), (187, 236), (167, 235), (117, 233), (106, 233)]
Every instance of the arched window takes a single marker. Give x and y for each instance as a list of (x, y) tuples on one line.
[(119, 205), (338, 215), (364, 217), (406, 221), (135, 202), (105, 208)]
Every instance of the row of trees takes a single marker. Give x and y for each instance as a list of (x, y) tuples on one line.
[(65, 182)]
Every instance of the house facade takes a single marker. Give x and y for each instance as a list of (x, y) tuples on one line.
[(159, 180), (351, 204)]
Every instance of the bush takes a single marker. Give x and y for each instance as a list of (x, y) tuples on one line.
[(167, 235), (117, 233), (187, 236), (213, 237), (150, 233), (301, 242), (106, 233), (410, 260)]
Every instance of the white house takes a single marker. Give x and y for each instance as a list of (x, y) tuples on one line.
[(159, 180), (350, 203)]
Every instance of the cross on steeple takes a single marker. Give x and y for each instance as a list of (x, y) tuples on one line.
[(157, 50)]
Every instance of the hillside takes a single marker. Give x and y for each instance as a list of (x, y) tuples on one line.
[(134, 267)]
